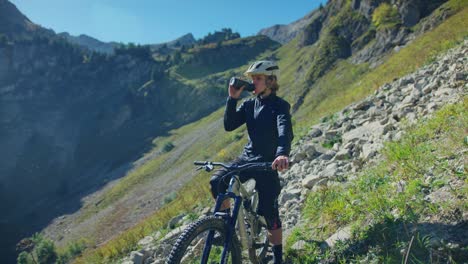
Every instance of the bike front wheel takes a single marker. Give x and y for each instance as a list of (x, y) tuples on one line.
[(190, 245)]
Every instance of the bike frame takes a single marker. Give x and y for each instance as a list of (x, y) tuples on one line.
[(237, 192)]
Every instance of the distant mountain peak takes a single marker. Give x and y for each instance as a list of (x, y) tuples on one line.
[(16, 25), (285, 33)]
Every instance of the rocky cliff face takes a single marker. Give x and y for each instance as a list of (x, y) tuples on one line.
[(352, 21), (285, 33)]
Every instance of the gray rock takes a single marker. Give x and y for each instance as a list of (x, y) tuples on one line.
[(331, 134), (315, 132), (405, 81), (146, 241), (298, 157), (343, 154), (310, 151), (299, 245), (310, 180), (363, 133), (136, 257), (460, 76), (428, 88), (328, 155), (330, 171), (341, 235), (363, 105), (398, 135), (175, 221), (289, 195), (370, 150), (421, 83), (175, 232)]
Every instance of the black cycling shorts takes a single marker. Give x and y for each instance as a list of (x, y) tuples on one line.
[(267, 185)]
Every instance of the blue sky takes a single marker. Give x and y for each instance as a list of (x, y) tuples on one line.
[(156, 21)]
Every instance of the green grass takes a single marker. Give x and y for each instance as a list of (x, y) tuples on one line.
[(380, 211)]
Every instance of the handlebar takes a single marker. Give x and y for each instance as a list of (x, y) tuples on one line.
[(208, 166)]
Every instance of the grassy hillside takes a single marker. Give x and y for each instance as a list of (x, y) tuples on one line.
[(385, 218), (346, 82), (172, 155), (218, 57)]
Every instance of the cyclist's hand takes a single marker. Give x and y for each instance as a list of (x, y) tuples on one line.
[(235, 93), (280, 163)]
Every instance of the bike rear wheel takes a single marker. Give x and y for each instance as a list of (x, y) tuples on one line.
[(189, 246), (259, 250)]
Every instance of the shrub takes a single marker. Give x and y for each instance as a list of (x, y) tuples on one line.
[(168, 147), (40, 249), (385, 16), (169, 198), (3, 39), (24, 258), (45, 251)]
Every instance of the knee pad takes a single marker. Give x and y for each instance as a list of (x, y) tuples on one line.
[(273, 223), (214, 183)]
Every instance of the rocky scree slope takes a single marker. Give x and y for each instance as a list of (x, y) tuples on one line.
[(337, 149)]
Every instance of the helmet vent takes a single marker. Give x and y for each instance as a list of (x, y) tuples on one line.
[(272, 68), (258, 65)]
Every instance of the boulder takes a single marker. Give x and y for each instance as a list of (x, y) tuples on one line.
[(330, 171), (370, 150), (341, 235), (175, 221), (343, 154), (315, 132), (310, 180)]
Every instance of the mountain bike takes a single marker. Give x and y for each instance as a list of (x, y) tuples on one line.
[(220, 237)]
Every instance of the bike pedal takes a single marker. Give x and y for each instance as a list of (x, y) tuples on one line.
[(257, 245)]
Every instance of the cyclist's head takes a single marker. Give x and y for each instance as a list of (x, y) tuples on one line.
[(269, 69)]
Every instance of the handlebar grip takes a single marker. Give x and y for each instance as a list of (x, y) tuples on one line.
[(200, 163)]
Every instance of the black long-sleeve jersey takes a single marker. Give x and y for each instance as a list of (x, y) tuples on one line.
[(268, 123)]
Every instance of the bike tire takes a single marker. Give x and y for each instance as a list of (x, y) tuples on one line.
[(258, 251), (183, 246)]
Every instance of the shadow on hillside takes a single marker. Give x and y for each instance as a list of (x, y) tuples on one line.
[(432, 243), (31, 198), (25, 211)]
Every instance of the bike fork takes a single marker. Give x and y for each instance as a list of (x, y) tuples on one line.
[(230, 223)]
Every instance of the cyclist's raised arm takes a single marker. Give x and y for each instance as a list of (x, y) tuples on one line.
[(233, 118)]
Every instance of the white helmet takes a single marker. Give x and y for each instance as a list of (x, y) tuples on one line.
[(263, 67)]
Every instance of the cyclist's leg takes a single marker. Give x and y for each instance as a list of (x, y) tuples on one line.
[(269, 187), (219, 184)]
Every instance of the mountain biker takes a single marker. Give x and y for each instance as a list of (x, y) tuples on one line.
[(269, 140)]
